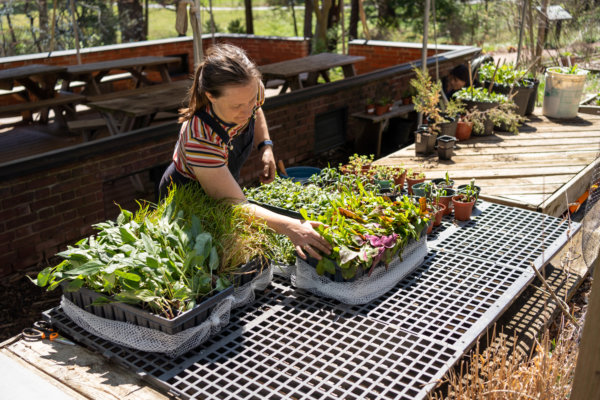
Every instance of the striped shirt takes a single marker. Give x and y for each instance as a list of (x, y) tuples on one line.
[(199, 146)]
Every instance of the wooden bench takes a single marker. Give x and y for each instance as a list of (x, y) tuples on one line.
[(58, 104), (88, 128)]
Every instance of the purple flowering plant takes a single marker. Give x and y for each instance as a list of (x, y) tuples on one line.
[(365, 230)]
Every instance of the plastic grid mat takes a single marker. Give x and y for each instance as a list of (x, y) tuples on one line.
[(302, 350), (446, 297), (289, 344), (507, 235)]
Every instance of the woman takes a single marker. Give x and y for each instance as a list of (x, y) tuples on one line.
[(456, 80), (219, 127)]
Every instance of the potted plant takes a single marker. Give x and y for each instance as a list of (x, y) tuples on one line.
[(370, 107), (463, 202), (383, 105), (563, 90), (444, 183), (423, 189), (464, 127), (470, 186), (413, 177), (505, 118), (451, 114), (479, 98), (426, 101), (507, 80), (444, 196), (358, 164)]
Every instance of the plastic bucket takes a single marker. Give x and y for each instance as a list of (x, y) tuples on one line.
[(562, 93), (301, 174)]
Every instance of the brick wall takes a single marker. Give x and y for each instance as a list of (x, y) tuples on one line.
[(261, 49), (381, 54), (51, 201)]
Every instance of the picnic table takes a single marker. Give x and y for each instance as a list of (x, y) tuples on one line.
[(290, 71), (133, 109), (39, 93), (93, 73)]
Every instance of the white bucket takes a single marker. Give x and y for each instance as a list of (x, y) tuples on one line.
[(563, 92)]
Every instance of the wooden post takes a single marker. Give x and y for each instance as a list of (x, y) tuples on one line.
[(586, 385)]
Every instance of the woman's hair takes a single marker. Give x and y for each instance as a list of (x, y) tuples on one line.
[(223, 65)]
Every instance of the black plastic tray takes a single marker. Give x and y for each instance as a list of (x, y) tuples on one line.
[(278, 210), (135, 315), (249, 271)]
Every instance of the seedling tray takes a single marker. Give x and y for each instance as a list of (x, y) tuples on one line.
[(84, 297), (249, 271), (278, 210)]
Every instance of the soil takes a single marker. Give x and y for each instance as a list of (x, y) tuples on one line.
[(22, 302)]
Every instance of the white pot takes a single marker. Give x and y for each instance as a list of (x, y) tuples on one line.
[(562, 92)]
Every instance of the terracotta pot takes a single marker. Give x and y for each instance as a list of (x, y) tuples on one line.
[(411, 181), (399, 180), (379, 110), (370, 109), (406, 101), (447, 201), (462, 210), (439, 214), (463, 130), (430, 226)]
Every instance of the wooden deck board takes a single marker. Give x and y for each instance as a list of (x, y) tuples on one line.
[(547, 164)]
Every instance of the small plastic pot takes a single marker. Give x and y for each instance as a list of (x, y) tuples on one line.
[(445, 145), (447, 200)]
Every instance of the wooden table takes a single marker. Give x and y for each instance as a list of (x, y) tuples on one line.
[(384, 119), (39, 81), (134, 109), (315, 65), (92, 73)]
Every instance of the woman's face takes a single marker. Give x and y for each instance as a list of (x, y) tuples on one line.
[(455, 83), (236, 103)]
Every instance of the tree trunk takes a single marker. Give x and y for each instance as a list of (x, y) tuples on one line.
[(321, 13), (353, 25), (308, 11), (333, 20), (249, 19), (541, 30), (43, 9), (131, 17)]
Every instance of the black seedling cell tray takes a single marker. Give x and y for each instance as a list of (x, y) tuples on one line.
[(278, 210), (116, 311)]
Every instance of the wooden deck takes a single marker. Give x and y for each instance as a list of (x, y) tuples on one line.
[(546, 166)]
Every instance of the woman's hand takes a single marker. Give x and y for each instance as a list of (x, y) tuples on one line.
[(267, 175), (306, 239)]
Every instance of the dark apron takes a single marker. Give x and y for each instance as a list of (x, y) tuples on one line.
[(242, 147)]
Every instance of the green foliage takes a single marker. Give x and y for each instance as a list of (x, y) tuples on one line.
[(290, 195), (427, 97), (479, 94), (506, 74), (165, 259), (573, 70), (365, 229), (235, 26)]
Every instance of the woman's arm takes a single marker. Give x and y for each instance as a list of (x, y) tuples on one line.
[(261, 133), (219, 183)]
